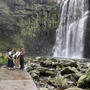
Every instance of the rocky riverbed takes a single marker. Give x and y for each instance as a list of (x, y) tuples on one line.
[(52, 74)]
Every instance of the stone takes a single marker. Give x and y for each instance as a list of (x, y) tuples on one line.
[(71, 63), (53, 60), (82, 67), (70, 83), (43, 89), (74, 88), (68, 70), (58, 81), (46, 63), (73, 77), (50, 73), (84, 80), (35, 76), (57, 74), (35, 71), (47, 72), (42, 58)]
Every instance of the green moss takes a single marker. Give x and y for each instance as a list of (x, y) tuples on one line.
[(84, 80), (43, 58), (59, 81), (88, 75)]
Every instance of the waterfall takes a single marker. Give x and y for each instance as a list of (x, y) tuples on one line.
[(70, 32)]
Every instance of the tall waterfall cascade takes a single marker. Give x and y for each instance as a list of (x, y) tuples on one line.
[(70, 32)]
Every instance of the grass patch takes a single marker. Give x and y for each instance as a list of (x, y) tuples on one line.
[(3, 60)]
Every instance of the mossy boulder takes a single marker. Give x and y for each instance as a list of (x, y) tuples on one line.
[(58, 81), (35, 74), (84, 81), (43, 58), (68, 70), (71, 63), (73, 77), (74, 88), (46, 63), (47, 72), (43, 88)]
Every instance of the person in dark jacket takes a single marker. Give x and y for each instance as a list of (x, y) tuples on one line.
[(22, 59), (10, 59)]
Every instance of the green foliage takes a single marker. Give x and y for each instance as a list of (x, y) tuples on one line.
[(43, 58), (33, 58), (84, 80), (59, 81), (24, 21), (3, 59), (88, 75)]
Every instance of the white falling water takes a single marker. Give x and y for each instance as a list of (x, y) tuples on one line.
[(70, 33)]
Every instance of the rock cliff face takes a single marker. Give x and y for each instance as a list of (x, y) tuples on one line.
[(28, 23)]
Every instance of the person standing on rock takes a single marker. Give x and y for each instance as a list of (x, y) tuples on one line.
[(18, 53), (10, 59), (22, 59)]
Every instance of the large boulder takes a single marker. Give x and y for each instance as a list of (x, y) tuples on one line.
[(53, 59), (58, 81), (35, 74), (46, 72), (84, 80), (31, 66), (46, 63), (71, 63), (42, 58), (82, 67), (50, 73), (73, 77), (50, 63), (68, 70)]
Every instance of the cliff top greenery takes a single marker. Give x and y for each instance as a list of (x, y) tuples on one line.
[(23, 21)]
